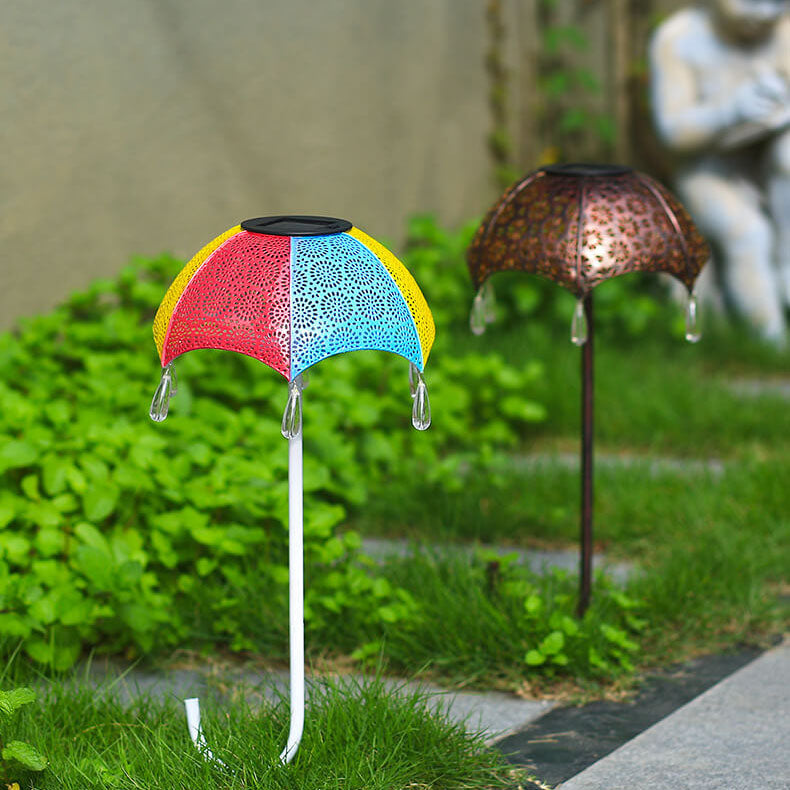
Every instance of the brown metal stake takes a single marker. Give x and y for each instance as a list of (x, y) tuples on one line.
[(585, 569)]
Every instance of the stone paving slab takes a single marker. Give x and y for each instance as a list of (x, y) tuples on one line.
[(569, 738), (755, 388), (537, 560), (494, 714), (735, 736), (653, 465)]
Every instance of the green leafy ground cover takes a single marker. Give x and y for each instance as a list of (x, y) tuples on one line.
[(18, 757), (114, 529)]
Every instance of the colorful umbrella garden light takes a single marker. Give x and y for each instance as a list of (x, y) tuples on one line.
[(291, 291)]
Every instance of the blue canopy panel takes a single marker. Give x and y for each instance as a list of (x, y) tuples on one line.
[(344, 299)]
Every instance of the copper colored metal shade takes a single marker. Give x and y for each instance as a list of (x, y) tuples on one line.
[(580, 224)]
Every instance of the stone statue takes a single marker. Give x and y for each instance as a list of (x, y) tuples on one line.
[(720, 84)]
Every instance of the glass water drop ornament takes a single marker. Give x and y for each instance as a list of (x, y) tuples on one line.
[(579, 324), (414, 377), (173, 380), (483, 309), (160, 403), (692, 331), (421, 408), (477, 319), (292, 416), (489, 302)]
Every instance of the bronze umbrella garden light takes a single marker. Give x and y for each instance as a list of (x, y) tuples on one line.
[(291, 291), (578, 225)]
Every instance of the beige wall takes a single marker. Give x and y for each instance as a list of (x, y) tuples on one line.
[(150, 125)]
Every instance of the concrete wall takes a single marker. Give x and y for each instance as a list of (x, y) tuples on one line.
[(149, 125)]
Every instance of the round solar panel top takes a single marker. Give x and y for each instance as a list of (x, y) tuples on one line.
[(296, 225), (586, 170)]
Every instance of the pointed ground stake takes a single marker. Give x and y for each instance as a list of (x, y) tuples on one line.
[(192, 706), (295, 590), (295, 594)]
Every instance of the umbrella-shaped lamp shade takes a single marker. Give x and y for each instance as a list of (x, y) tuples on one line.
[(580, 224), (291, 291)]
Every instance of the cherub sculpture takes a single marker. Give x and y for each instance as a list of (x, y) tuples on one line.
[(720, 84)]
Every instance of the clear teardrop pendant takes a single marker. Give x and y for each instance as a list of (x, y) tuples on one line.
[(421, 408), (477, 318), (489, 302), (692, 331), (160, 403), (292, 416), (414, 377), (579, 324), (483, 309), (171, 368)]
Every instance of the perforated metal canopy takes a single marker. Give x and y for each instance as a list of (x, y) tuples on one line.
[(580, 224), (291, 291)]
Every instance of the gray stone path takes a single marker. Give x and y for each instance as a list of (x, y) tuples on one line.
[(538, 560), (495, 714), (755, 388), (735, 736), (653, 464)]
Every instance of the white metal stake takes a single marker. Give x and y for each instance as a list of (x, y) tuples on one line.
[(292, 422), (192, 706), (295, 593)]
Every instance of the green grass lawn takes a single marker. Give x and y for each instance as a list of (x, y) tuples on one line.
[(655, 393), (705, 522), (357, 736), (640, 503), (691, 486)]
